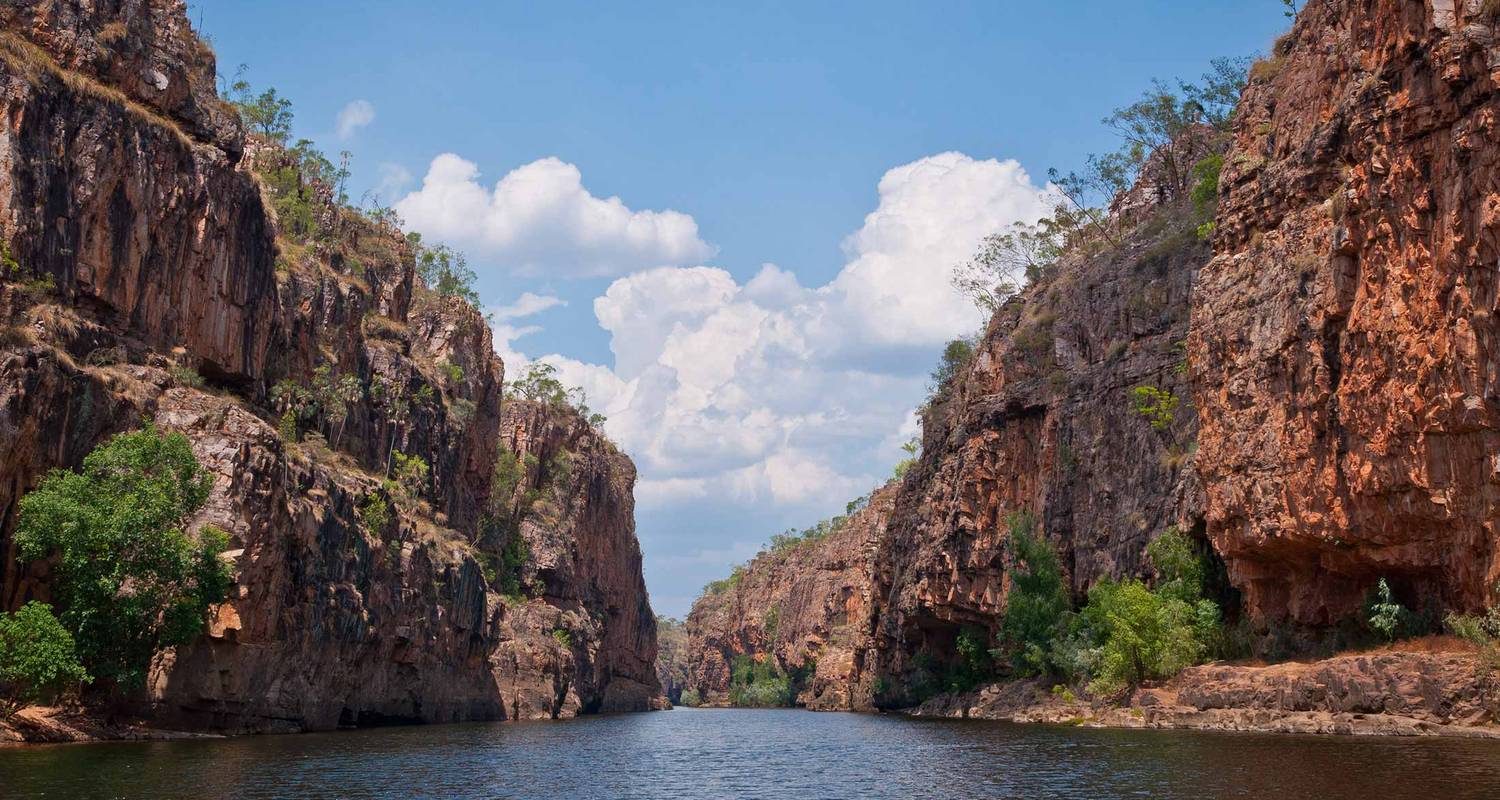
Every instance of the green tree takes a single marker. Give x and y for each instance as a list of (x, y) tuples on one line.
[(266, 113), (131, 579), (1158, 406), (445, 271), (410, 473), (956, 356), (37, 658), (539, 383), (1004, 260), (1038, 603)]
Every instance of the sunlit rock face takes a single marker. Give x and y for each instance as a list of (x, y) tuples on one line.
[(147, 253), (810, 607), (1344, 336)]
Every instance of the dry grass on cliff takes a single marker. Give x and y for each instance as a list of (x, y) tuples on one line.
[(34, 63)]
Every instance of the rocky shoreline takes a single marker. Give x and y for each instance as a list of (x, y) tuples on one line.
[(1381, 693)]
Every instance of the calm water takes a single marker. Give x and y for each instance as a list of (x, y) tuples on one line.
[(784, 754)]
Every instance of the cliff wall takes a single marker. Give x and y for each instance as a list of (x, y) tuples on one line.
[(145, 275), (1344, 336)]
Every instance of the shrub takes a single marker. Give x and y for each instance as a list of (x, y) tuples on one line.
[(454, 372), (724, 585), (130, 578), (758, 684), (956, 356), (691, 698), (185, 376), (410, 473), (1038, 602), (37, 657), (1205, 193), (374, 513), (1144, 634), (564, 637), (1385, 616), (1158, 406), (445, 270)]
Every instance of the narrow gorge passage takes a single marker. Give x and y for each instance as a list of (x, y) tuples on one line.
[(431, 383)]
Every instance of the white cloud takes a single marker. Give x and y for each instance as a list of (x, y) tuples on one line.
[(775, 394), (527, 305), (539, 219), (357, 114)]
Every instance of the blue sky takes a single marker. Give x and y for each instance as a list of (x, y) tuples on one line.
[(860, 147)]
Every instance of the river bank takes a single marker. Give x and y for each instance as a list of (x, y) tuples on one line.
[(1403, 691)]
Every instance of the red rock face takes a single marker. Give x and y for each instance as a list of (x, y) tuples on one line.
[(1043, 422), (1344, 337), (811, 605), (119, 181), (584, 553)]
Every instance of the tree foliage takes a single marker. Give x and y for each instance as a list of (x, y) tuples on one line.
[(1038, 602), (38, 657), (444, 270), (131, 579), (1007, 261)]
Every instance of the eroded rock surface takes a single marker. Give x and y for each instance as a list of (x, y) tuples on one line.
[(145, 277), (1344, 336)]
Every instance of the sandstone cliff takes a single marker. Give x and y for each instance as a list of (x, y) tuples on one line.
[(1344, 336), (807, 606), (1332, 355), (1043, 421), (146, 276)]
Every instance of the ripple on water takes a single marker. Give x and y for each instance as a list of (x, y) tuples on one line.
[(759, 754)]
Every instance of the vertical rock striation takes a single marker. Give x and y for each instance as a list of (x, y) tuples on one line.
[(1344, 336), (144, 276)]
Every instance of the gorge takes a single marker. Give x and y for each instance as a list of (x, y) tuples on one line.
[(1251, 396)]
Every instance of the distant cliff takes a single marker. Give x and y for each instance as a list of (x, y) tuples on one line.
[(148, 275)]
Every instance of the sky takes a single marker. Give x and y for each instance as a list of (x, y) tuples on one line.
[(732, 224)]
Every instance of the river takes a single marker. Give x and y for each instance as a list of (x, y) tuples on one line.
[(690, 753)]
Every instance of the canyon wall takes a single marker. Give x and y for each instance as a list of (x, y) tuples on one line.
[(1333, 355), (1344, 343), (146, 276), (809, 606), (1042, 425)]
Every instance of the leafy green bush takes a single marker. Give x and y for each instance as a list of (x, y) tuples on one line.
[(454, 372), (374, 514), (37, 657), (564, 637), (956, 355), (1386, 617), (758, 683), (130, 578), (1038, 603), (410, 473), (1158, 406), (691, 698), (444, 270)]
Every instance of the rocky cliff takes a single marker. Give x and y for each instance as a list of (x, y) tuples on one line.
[(1332, 355), (807, 606), (1344, 336), (1043, 422), (146, 275)]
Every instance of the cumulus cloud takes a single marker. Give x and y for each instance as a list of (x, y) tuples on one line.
[(769, 392), (354, 116), (539, 219)]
